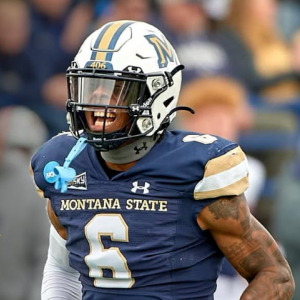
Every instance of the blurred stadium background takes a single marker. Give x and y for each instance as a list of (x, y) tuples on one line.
[(255, 43)]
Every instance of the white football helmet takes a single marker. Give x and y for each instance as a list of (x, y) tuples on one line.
[(140, 74)]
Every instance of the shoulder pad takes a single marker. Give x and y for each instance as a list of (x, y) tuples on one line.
[(55, 149), (224, 175)]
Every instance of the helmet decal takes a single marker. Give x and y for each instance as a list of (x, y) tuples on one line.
[(107, 40), (163, 49)]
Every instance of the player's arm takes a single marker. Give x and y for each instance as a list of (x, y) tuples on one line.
[(249, 247), (60, 281), (55, 221), (51, 214)]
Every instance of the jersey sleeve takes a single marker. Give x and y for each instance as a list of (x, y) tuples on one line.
[(56, 149), (225, 175), (38, 190)]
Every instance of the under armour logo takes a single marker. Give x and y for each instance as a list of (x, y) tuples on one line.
[(138, 149), (144, 188), (135, 107)]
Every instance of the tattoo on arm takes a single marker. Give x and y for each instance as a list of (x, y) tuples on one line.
[(226, 208), (251, 250)]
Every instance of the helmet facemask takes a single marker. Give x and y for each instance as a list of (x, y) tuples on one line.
[(106, 106)]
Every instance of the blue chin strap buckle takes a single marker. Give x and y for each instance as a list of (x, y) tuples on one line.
[(61, 175)]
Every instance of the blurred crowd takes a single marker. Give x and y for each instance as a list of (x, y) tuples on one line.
[(242, 77)]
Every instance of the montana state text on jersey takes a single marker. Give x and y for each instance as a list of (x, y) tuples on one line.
[(165, 254)]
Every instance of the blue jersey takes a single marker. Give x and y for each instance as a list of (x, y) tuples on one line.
[(135, 235)]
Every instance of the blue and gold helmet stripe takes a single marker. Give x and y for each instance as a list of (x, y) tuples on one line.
[(107, 40)]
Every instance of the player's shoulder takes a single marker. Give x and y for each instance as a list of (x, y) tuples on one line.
[(199, 146), (56, 148), (219, 166)]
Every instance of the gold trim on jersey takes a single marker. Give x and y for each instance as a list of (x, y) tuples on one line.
[(224, 162), (223, 176), (40, 192)]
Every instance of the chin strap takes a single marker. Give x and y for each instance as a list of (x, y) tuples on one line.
[(61, 175)]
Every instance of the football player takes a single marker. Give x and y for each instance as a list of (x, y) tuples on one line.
[(138, 211)]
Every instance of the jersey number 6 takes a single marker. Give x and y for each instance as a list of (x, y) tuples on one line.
[(99, 258)]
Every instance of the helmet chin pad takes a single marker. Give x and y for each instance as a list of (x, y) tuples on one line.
[(110, 142)]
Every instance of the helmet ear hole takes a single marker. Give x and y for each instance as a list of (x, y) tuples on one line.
[(158, 116)]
